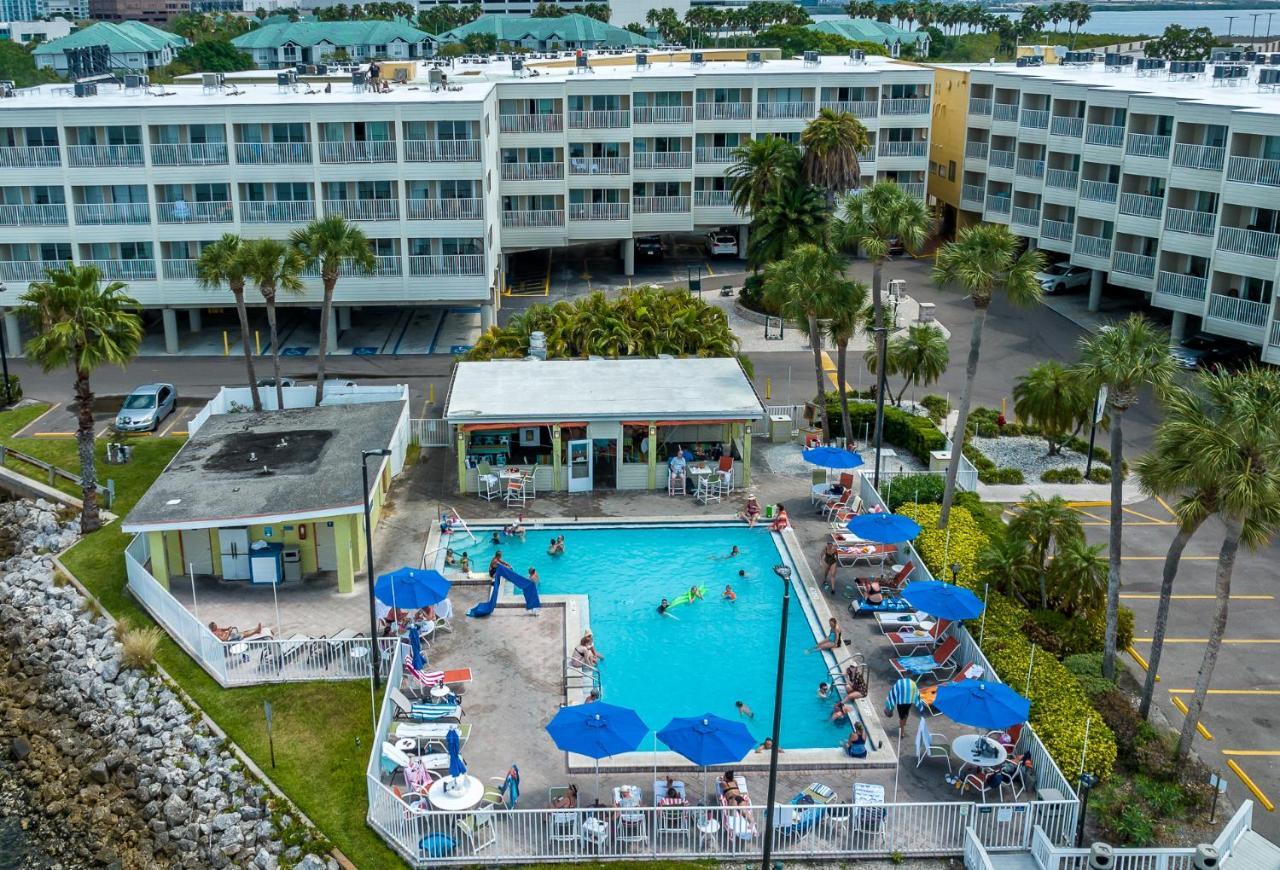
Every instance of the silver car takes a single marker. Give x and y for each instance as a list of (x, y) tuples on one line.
[(145, 408)]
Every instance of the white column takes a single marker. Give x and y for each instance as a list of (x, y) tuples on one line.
[(331, 340), (1095, 290), (170, 318), (12, 334), (628, 253), (193, 319), (486, 316), (742, 242), (344, 316), (1178, 329)]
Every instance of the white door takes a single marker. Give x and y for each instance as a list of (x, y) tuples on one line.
[(197, 554), (326, 549), (580, 466)]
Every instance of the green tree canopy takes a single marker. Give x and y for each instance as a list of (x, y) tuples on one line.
[(18, 66), (1182, 43), (795, 39), (211, 55)]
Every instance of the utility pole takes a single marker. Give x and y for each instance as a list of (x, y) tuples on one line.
[(1230, 20)]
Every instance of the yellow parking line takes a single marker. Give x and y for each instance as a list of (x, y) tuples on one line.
[(1165, 505), (1204, 732), (1248, 783), (1228, 692), (1147, 517), (53, 434), (47, 411), (1102, 520), (1080, 504), (181, 433), (1144, 596), (1142, 663), (1132, 523), (1267, 640), (711, 273), (1252, 753)]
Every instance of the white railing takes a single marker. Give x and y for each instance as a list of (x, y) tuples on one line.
[(384, 266), (599, 165), (1196, 223), (27, 270), (1141, 205), (445, 209), (178, 270), (444, 150), (661, 114), (801, 109), (999, 204), (273, 152), (1026, 217), (358, 152), (1099, 191), (429, 432), (1207, 157), (45, 215), (599, 211), (857, 108), (532, 171), (539, 218), (31, 157), (1254, 170), (972, 193), (1065, 179), (104, 155), (661, 204), (195, 212), (905, 106), (1004, 112), (113, 213), (282, 211), (1146, 145), (1029, 168), (599, 119), (364, 209), (662, 159), (1001, 159), (1129, 263), (1036, 119), (723, 111), (979, 105), (1060, 231), (717, 154), (124, 270), (1048, 856), (976, 150), (189, 154), (1252, 243), (1093, 246), (713, 198), (548, 122), (975, 855), (446, 264), (1063, 125), (1183, 286), (1106, 135), (1244, 311), (913, 188), (1274, 338), (887, 148)]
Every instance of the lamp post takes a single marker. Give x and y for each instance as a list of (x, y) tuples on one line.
[(4, 353), (375, 652), (955, 572), (784, 572), (882, 342), (1087, 781)]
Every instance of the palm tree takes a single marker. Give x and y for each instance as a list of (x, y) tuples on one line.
[(984, 259), (329, 243), (221, 264), (1078, 576), (1034, 18), (1053, 398), (761, 168), (274, 266), (920, 356), (1124, 359), (801, 285), (1008, 565), (847, 313), (831, 144), (797, 215), (82, 325), (1045, 524)]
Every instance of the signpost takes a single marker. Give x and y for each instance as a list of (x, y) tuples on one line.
[(271, 745)]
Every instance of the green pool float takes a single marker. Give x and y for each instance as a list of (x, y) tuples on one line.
[(687, 597)]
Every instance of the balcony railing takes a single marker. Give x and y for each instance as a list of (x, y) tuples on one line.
[(364, 209), (599, 165), (446, 265), (1030, 168), (31, 157), (976, 150), (1106, 135), (1129, 263), (857, 108), (1063, 179), (216, 212), (1196, 223), (1099, 191), (1183, 286), (178, 270), (979, 105), (1000, 159), (972, 193), (661, 204), (723, 111), (1026, 217), (999, 204), (1036, 119), (384, 266), (1093, 246), (1146, 145), (532, 171), (713, 198), (1063, 125), (905, 106), (801, 109), (442, 150), (273, 152), (662, 159), (45, 215), (284, 211), (913, 188), (27, 270), (1060, 231), (1206, 157), (1141, 205), (1244, 311), (599, 211), (124, 270), (539, 218), (661, 114), (113, 213), (358, 152), (599, 119), (189, 154), (717, 154), (104, 155), (1004, 112), (1237, 240), (547, 122), (1274, 338), (887, 148), (445, 209), (1254, 170)]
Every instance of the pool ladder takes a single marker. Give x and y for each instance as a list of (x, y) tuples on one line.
[(458, 522), (859, 663), (578, 676)]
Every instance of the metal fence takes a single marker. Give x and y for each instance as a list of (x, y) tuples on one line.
[(429, 432), (1049, 856)]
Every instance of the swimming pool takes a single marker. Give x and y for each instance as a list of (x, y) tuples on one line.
[(713, 652)]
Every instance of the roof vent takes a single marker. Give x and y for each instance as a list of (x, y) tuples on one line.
[(812, 58), (857, 56)]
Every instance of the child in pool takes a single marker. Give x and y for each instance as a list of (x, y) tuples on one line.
[(450, 560), (744, 711), (464, 564), (694, 593), (729, 594), (824, 691)]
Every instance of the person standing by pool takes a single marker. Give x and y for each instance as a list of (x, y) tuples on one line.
[(830, 562), (464, 564), (904, 695)]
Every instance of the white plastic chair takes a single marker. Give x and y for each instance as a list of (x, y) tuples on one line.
[(487, 486), (936, 750), (516, 493), (478, 827), (531, 484), (708, 489), (676, 484)]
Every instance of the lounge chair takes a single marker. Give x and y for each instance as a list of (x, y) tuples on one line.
[(908, 642), (422, 712), (660, 789), (868, 554), (428, 732), (672, 821), (742, 787), (890, 604), (891, 622), (453, 678), (939, 665)]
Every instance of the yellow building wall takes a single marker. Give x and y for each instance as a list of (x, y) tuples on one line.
[(946, 141), (1048, 52)]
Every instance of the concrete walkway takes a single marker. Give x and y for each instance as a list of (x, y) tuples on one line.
[(1008, 493)]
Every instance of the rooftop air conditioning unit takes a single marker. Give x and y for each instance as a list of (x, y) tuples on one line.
[(133, 82), (857, 55), (642, 61), (581, 62), (755, 58), (86, 89), (697, 58), (517, 64), (811, 58)]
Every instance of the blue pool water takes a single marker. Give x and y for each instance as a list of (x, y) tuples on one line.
[(714, 652)]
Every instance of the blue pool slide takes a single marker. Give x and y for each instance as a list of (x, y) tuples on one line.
[(524, 584)]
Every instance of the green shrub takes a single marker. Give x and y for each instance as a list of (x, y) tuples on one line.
[(1001, 475), (1069, 635), (752, 296), (1087, 669), (937, 406), (917, 435), (1100, 474), (922, 488), (15, 390), (987, 430), (1062, 475), (979, 460), (138, 647)]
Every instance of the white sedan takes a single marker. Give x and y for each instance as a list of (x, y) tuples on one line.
[(1062, 277), (722, 244)]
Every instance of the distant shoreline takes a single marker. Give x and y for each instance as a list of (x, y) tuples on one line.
[(1206, 5)]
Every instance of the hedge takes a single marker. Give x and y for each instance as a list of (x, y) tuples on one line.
[(916, 435), (15, 390), (1059, 705)]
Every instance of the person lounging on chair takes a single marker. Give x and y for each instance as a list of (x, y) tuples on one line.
[(940, 665)]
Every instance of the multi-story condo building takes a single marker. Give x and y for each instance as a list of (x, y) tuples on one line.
[(1167, 183), (445, 182)]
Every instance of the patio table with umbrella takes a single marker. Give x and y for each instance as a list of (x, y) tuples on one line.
[(943, 600), (830, 458), (597, 730), (884, 528), (459, 791), (411, 589), (707, 739), (983, 705)]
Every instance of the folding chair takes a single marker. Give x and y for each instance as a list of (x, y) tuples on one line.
[(940, 665), (565, 827), (531, 485), (725, 473), (676, 484), (516, 493), (936, 750), (486, 482), (478, 828)]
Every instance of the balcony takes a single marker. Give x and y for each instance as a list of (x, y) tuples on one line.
[(178, 270), (104, 155), (599, 211), (601, 119), (972, 193), (364, 209), (1182, 286), (1062, 125), (662, 159), (95, 214), (905, 106), (189, 154), (913, 188), (358, 152), (537, 218), (1129, 263), (1206, 157), (1251, 243), (662, 114), (273, 152), (1242, 311), (35, 157), (1060, 231), (1196, 223), (1004, 112), (857, 108), (1029, 168), (282, 212), (46, 215), (217, 212), (548, 122), (124, 270), (713, 199), (1026, 217), (445, 209), (1001, 159), (976, 150), (661, 205), (1274, 338), (1254, 170), (774, 111), (1035, 119), (888, 148), (718, 154), (1093, 246), (1106, 135), (724, 111), (532, 171), (1063, 179), (1145, 145), (1141, 205), (384, 266), (446, 265), (443, 150), (999, 204), (27, 270), (979, 106), (599, 165), (1099, 191)]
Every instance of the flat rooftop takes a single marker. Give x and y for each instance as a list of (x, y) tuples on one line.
[(247, 468), (561, 391)]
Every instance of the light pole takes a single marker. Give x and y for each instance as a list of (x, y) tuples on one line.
[(1087, 781), (882, 342), (375, 651), (1254, 35), (4, 352), (1230, 24), (784, 572)]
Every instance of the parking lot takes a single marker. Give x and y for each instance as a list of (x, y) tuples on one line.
[(60, 420)]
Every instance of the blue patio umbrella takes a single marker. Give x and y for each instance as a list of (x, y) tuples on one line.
[(884, 528), (943, 600), (707, 739), (832, 457), (415, 644), (597, 730), (454, 747), (982, 704), (411, 588)]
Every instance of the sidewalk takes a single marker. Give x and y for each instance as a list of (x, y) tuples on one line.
[(1076, 309), (1008, 493)]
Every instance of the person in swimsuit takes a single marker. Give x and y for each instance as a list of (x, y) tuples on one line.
[(855, 684), (781, 521), (744, 711), (663, 607), (496, 538), (533, 575), (856, 745), (767, 746), (830, 562), (729, 594), (450, 560), (464, 564), (567, 801), (596, 656), (834, 637), (824, 691), (557, 547), (694, 593), (870, 589), (495, 562), (729, 790), (751, 513), (839, 714)]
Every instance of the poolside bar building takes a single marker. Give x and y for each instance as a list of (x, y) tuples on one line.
[(585, 424)]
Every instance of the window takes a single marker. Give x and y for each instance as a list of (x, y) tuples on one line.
[(455, 189), (951, 170), (453, 130), (461, 246), (289, 132)]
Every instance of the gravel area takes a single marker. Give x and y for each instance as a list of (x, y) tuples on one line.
[(1028, 454)]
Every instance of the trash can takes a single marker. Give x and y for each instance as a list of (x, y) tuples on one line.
[(780, 427)]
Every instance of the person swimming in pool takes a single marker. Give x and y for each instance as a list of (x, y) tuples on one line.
[(533, 575), (839, 714), (824, 691), (496, 561), (742, 572), (744, 711), (496, 538), (729, 594), (557, 546), (464, 564), (450, 560), (695, 593), (664, 607)]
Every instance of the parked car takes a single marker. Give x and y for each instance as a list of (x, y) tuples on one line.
[(650, 247), (145, 408), (1061, 277), (270, 383), (722, 244), (1205, 351)]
